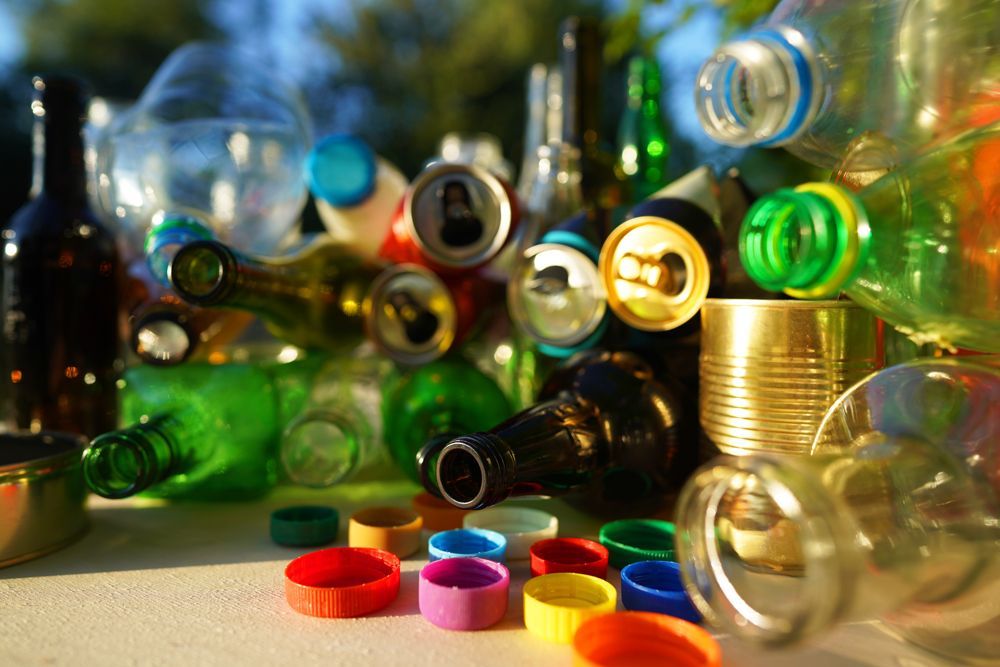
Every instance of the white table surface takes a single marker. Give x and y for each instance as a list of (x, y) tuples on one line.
[(202, 584)]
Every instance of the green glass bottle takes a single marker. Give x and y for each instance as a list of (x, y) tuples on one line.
[(434, 403), (324, 297), (920, 247), (643, 144), (200, 431)]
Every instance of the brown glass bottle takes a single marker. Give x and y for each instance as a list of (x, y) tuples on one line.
[(60, 284), (603, 183), (607, 433)]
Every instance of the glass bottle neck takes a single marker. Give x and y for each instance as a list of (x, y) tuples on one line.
[(810, 242), (325, 445), (543, 450), (580, 64), (59, 168), (764, 89), (781, 549), (123, 463)]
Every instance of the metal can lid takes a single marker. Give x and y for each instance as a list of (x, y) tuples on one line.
[(458, 215), (413, 318), (656, 274), (556, 295)]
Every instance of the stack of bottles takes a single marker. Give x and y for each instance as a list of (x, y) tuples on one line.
[(595, 331)]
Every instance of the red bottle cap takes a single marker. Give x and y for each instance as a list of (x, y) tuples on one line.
[(342, 582), (569, 554)]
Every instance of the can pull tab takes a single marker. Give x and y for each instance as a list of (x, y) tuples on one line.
[(418, 322), (461, 226), (550, 281), (667, 274)]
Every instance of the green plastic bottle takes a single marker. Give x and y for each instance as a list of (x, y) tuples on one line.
[(200, 431), (643, 144), (433, 404), (920, 247)]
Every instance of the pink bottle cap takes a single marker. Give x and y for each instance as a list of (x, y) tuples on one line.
[(464, 593)]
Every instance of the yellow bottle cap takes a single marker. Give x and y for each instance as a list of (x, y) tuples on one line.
[(655, 272), (555, 605)]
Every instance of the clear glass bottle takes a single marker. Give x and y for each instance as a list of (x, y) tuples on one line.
[(607, 433), (200, 431), (60, 353), (643, 143), (356, 192), (895, 517), (818, 73), (920, 247), (340, 430)]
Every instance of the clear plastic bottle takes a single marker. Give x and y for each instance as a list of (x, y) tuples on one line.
[(895, 515), (218, 133), (920, 247), (818, 73), (357, 192)]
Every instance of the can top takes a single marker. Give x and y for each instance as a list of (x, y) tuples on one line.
[(656, 274), (458, 215), (556, 295), (413, 318)]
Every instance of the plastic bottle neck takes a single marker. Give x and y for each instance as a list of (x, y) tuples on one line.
[(761, 90), (166, 237), (123, 463), (810, 242), (779, 550)]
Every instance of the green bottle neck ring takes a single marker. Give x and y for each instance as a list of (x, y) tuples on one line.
[(123, 463), (810, 242)]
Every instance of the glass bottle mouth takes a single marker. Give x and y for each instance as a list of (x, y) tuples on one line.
[(118, 465), (322, 447), (201, 272), (809, 242), (760, 550), (471, 473), (761, 90), (161, 338)]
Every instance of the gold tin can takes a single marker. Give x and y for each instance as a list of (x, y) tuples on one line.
[(770, 369), (42, 494)]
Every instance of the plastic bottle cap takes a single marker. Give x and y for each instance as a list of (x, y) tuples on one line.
[(639, 639), (342, 582), (438, 514), (467, 543), (633, 540), (555, 605), (394, 529), (656, 586), (341, 170), (522, 526), (305, 526), (569, 554), (464, 593)]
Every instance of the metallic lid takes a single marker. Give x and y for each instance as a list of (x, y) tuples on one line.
[(556, 295), (413, 318), (655, 272), (458, 215)]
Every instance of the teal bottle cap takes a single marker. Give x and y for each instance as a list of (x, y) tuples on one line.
[(305, 526), (341, 169), (633, 540)]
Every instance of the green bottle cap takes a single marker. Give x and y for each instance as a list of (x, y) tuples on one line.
[(305, 526), (632, 540), (810, 242)]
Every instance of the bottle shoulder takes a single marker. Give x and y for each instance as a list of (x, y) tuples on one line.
[(48, 218)]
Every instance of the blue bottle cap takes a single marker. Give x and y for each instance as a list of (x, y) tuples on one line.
[(655, 585), (340, 170), (467, 542)]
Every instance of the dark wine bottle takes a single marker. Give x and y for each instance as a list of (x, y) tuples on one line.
[(60, 287), (608, 433)]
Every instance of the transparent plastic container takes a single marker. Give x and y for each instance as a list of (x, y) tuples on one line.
[(216, 134), (819, 73), (919, 247), (894, 515)]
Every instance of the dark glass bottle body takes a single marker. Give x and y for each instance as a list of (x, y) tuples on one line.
[(60, 285), (607, 432)]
